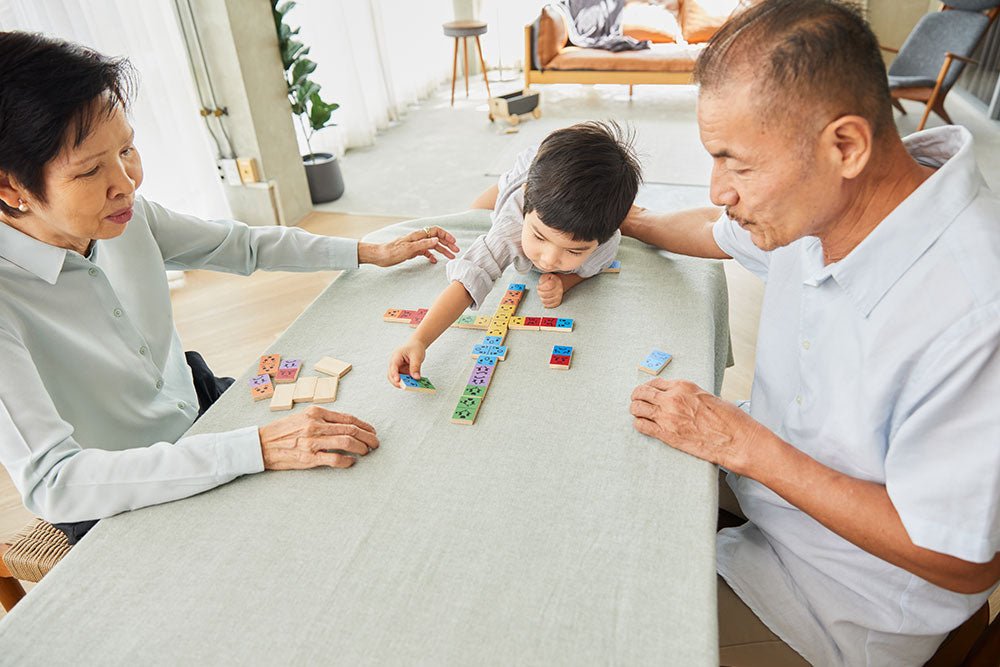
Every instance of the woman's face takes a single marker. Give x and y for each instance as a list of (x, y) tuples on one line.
[(89, 188)]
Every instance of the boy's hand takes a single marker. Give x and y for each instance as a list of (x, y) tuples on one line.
[(550, 290), (406, 359)]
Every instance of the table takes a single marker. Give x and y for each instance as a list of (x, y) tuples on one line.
[(550, 532)]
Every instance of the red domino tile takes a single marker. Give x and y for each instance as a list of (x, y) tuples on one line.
[(418, 317), (532, 321), (548, 322), (559, 360), (407, 315)]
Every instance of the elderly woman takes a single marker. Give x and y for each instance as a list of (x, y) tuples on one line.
[(96, 391)]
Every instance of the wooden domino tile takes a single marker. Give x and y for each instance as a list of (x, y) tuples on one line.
[(561, 357), (509, 301), (332, 366), (305, 389), (418, 318), (498, 332), (268, 364), (475, 390), (515, 287), (482, 322), (516, 323), (466, 322), (422, 385), (655, 362), (498, 351), (532, 323), (282, 399), (616, 267), (261, 387), (288, 371), (563, 324), (506, 308), (326, 390), (406, 315), (466, 410), (492, 340), (482, 376), (548, 324), (392, 315)]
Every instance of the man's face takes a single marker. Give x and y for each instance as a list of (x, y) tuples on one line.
[(766, 175)]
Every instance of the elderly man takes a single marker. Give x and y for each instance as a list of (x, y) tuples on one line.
[(868, 459)]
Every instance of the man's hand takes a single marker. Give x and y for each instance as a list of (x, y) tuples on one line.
[(550, 290), (686, 417), (419, 242), (300, 441), (406, 359)]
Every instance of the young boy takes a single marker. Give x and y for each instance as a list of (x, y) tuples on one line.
[(557, 211)]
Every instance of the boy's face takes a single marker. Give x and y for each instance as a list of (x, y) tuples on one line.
[(550, 249)]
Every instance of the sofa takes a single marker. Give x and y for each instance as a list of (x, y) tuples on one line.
[(678, 30)]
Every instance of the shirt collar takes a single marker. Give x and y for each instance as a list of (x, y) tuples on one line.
[(41, 259), (874, 266)]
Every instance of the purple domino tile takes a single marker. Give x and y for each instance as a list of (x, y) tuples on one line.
[(481, 375), (259, 380), (291, 363)]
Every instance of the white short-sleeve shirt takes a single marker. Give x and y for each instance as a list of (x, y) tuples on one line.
[(885, 366), (487, 257), (95, 392)]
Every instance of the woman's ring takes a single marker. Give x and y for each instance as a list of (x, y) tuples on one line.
[(427, 231)]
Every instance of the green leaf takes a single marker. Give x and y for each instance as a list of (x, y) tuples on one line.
[(302, 68), (284, 8), (319, 112), (292, 50)]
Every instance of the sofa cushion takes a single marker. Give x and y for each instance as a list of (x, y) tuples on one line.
[(657, 58), (552, 35), (700, 19), (651, 20)]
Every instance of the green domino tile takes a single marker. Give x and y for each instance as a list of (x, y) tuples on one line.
[(469, 401), (466, 410), (474, 390)]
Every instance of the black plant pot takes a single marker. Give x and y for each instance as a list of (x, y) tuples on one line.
[(326, 183)]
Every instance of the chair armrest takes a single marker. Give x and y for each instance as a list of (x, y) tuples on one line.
[(888, 48), (962, 58)]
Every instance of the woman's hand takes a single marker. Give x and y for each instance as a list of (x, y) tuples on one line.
[(406, 359), (303, 440), (419, 242)]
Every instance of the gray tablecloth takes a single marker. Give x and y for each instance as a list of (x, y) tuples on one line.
[(550, 532)]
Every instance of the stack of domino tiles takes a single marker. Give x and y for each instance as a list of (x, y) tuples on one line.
[(488, 354)]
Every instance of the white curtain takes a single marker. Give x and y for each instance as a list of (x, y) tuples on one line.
[(177, 157), (374, 58)]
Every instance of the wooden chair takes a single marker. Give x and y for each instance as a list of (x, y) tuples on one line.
[(28, 555), (923, 69), (975, 643)]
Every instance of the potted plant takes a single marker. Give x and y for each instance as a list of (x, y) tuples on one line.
[(326, 183)]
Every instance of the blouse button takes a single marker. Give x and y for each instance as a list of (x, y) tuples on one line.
[(159, 383), (143, 350), (118, 312), (92, 272)]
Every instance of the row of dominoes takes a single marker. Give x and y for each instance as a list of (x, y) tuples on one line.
[(487, 355), (413, 317), (286, 375)]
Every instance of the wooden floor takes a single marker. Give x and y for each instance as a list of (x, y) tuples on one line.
[(231, 319)]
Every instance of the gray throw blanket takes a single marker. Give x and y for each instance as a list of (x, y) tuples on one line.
[(597, 24)]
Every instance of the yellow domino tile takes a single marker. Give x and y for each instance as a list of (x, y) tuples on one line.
[(516, 323), (482, 322)]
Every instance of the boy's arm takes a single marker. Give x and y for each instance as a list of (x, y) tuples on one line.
[(685, 232), (487, 199), (552, 287), (442, 313)]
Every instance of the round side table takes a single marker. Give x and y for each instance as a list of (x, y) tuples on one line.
[(463, 30)]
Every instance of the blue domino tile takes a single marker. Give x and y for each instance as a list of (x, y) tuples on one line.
[(655, 358), (408, 380), (564, 323), (492, 340), (515, 287), (486, 360), (615, 265), (562, 350)]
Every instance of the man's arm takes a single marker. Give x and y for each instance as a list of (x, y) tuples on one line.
[(694, 421), (686, 232)]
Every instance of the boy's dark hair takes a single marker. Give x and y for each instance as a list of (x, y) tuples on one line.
[(50, 96), (802, 54), (583, 180)]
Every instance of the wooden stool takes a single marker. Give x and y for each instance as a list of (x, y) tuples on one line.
[(28, 556), (464, 30)]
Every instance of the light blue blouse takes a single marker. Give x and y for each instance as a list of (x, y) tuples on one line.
[(95, 391)]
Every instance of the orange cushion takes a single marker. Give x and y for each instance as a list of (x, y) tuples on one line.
[(652, 21), (658, 58), (552, 35), (701, 18)]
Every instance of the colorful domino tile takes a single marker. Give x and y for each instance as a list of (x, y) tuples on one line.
[(422, 385), (515, 287), (491, 340), (511, 301), (616, 267), (475, 390), (498, 351), (326, 390), (548, 324), (466, 322), (282, 399), (419, 317), (561, 357), (564, 324), (392, 315), (482, 322), (288, 371), (261, 387), (532, 323), (406, 315), (481, 376), (507, 308), (268, 364), (466, 410), (655, 362), (305, 389), (486, 360), (498, 332), (516, 323), (331, 366)]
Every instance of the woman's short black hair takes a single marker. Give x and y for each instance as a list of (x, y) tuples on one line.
[(583, 180), (51, 93)]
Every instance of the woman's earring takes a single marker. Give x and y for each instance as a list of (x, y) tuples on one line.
[(21, 206)]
